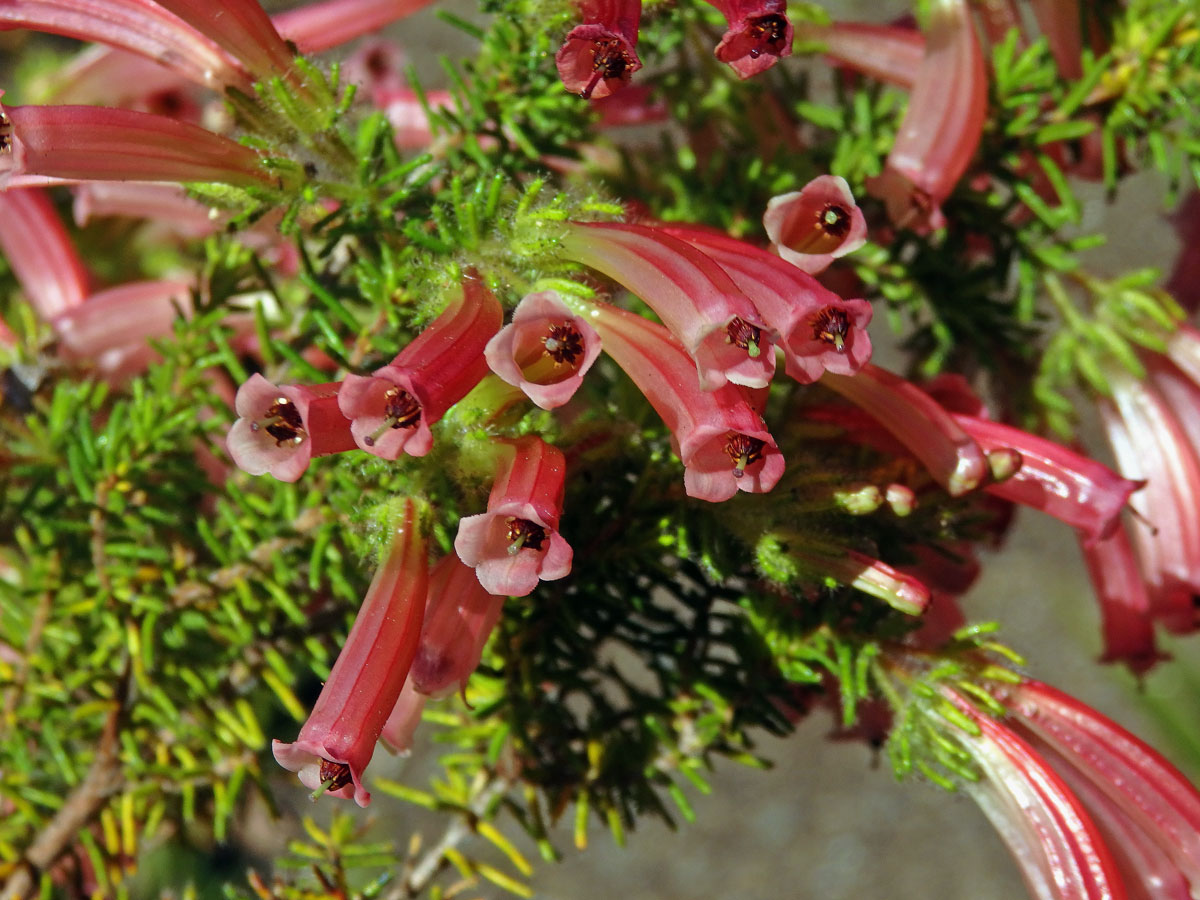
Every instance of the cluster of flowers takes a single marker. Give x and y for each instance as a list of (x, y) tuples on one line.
[(726, 306), (1067, 787)]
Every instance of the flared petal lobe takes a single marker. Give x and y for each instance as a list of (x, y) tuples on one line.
[(812, 227), (281, 428), (545, 351)]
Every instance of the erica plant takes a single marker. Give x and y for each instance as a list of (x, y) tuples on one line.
[(652, 380)]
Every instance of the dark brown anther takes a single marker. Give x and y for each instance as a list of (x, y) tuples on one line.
[(523, 533), (742, 334), (831, 325), (335, 774), (283, 422), (743, 451), (564, 344), (834, 220), (609, 60), (5, 133), (770, 32), (402, 408)]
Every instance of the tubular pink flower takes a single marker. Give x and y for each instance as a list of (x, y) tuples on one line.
[(122, 317), (140, 26), (818, 330), (405, 718), (338, 740), (1140, 783), (1061, 23), (281, 428), (1081, 492), (167, 205), (317, 27), (241, 28), (716, 323), (545, 351), (813, 226), (109, 76), (598, 57), (759, 34), (857, 570), (39, 252), (93, 143), (719, 437), (1060, 850), (1150, 443), (392, 409), (1125, 616), (516, 542), (890, 53), (943, 123), (459, 618), (917, 421)]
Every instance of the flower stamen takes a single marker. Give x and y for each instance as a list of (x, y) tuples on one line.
[(401, 410), (564, 344), (6, 131), (769, 31), (282, 422), (742, 334), (743, 451), (523, 533), (609, 60), (831, 325), (334, 775)]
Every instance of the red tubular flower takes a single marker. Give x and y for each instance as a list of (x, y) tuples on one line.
[(890, 53), (918, 422), (1141, 786), (405, 718), (93, 143), (459, 618), (1125, 615), (545, 351), (898, 590), (337, 742), (759, 34), (812, 227), (1060, 850), (818, 330), (122, 317), (1061, 23), (316, 27), (1150, 443), (167, 205), (1081, 492), (391, 410), (281, 428), (140, 26), (943, 123), (716, 323), (242, 28), (720, 438), (40, 254), (598, 57), (516, 542)]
